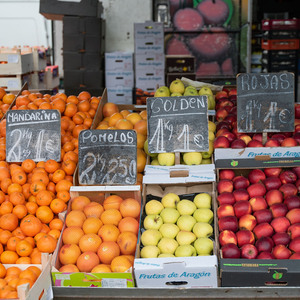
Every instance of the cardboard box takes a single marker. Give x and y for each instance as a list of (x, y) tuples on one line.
[(92, 61), (119, 78), (148, 29), (15, 82), (52, 77), (56, 9), (257, 157), (119, 94), (176, 272), (149, 44), (149, 61), (82, 279), (82, 25), (14, 62), (180, 64), (122, 61), (149, 79)]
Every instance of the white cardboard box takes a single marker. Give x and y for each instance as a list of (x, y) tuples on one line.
[(148, 29), (119, 61), (119, 78), (149, 45), (15, 62), (119, 95), (149, 61), (145, 79)]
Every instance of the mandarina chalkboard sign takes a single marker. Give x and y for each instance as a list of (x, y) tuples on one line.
[(107, 157), (265, 102), (177, 124), (33, 134)]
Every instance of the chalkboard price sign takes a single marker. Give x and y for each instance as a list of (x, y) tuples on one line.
[(107, 157), (265, 102), (34, 134), (177, 124)]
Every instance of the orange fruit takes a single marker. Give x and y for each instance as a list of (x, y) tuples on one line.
[(24, 248), (20, 211), (75, 218), (120, 264), (58, 205), (72, 235), (35, 269), (68, 254), (46, 243), (87, 261), (127, 242), (51, 165), (112, 201), (89, 242), (4, 236), (130, 207), (9, 222), (133, 117), (91, 225), (43, 197), (141, 127), (54, 233), (111, 216), (30, 225), (63, 185), (63, 195), (8, 257), (107, 251), (124, 124), (28, 274), (79, 202), (23, 260), (109, 109), (93, 209), (2, 271), (114, 118), (109, 232), (70, 268), (12, 243), (44, 214), (129, 224), (56, 223), (101, 268)]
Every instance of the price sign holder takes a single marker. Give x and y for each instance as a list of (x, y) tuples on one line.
[(34, 134), (107, 157), (265, 102), (177, 124)]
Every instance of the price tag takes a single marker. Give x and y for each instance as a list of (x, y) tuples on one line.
[(177, 124), (33, 134), (265, 102), (107, 157)]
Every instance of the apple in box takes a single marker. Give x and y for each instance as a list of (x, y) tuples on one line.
[(227, 237), (249, 251), (264, 244), (245, 237), (226, 198), (281, 238), (241, 208), (240, 195), (230, 250), (272, 183), (240, 182), (292, 202)]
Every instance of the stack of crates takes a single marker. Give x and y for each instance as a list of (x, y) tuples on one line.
[(280, 45), (83, 54)]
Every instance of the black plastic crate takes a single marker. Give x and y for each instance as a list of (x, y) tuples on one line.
[(280, 34), (280, 55), (87, 60), (78, 25)]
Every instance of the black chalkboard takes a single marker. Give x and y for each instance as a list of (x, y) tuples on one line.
[(34, 134), (265, 102), (107, 157), (177, 124)]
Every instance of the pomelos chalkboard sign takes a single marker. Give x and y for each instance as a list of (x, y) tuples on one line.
[(265, 102), (177, 124), (33, 134), (107, 157)]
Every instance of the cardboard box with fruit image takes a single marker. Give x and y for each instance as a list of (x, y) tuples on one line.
[(176, 247), (258, 226)]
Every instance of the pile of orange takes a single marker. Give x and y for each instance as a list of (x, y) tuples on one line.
[(100, 238), (124, 119), (13, 276), (5, 101)]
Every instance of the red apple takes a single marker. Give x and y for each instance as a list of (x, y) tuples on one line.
[(223, 102), (247, 222), (297, 110), (288, 176), (264, 244), (230, 136), (221, 131), (226, 198), (288, 189), (272, 143), (233, 110), (228, 223), (230, 251), (238, 144), (258, 203), (272, 172), (240, 182), (223, 125), (256, 189), (257, 137), (294, 230), (255, 143), (295, 255), (296, 170), (281, 238), (280, 224), (221, 114), (232, 91), (225, 185), (294, 215), (221, 142), (263, 229), (281, 252), (297, 129), (241, 208), (246, 138), (289, 142), (249, 251), (241, 194), (227, 237), (296, 135), (273, 196), (272, 183), (278, 210), (226, 174), (265, 255), (292, 202), (256, 175), (221, 94), (278, 136), (245, 237), (297, 184), (263, 216), (225, 210), (295, 244)]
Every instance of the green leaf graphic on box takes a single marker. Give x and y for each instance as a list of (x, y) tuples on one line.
[(277, 275), (234, 163)]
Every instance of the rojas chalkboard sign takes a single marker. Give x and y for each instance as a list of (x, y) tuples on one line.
[(107, 157), (177, 124), (265, 102), (34, 134)]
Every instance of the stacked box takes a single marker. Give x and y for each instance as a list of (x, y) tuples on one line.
[(83, 54), (149, 55), (119, 77)]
